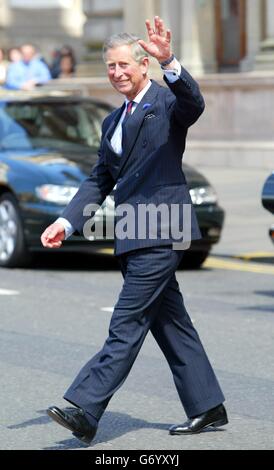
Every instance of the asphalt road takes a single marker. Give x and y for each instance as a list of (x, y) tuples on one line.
[(56, 315)]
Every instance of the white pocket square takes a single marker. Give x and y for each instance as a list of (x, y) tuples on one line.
[(150, 116)]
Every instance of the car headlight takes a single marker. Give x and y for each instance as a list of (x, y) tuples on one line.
[(203, 195), (54, 193)]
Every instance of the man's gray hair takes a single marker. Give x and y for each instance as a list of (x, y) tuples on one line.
[(125, 39)]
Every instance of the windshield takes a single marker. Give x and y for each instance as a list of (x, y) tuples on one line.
[(51, 125)]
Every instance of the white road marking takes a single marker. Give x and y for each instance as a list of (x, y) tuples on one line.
[(9, 292)]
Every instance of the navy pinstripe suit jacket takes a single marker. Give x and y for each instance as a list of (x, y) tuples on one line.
[(149, 171)]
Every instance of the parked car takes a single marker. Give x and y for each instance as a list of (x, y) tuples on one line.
[(268, 200), (48, 144)]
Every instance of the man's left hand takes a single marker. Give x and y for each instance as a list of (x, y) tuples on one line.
[(159, 40)]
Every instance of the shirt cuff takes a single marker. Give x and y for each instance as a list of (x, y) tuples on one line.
[(172, 75), (67, 226)]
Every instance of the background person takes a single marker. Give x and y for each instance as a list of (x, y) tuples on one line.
[(66, 66), (14, 54), (27, 73), (57, 68)]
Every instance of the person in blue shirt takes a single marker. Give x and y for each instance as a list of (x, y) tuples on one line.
[(27, 73)]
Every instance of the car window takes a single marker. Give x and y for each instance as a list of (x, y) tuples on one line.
[(51, 125)]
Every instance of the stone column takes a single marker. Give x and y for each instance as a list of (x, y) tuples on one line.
[(103, 18), (270, 18), (265, 58), (5, 19), (198, 36), (171, 13), (253, 33), (135, 14)]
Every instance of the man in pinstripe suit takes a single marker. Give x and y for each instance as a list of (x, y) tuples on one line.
[(141, 152)]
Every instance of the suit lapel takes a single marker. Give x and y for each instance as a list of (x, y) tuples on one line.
[(136, 120), (113, 124)]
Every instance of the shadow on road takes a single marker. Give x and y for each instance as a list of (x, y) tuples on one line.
[(112, 426)]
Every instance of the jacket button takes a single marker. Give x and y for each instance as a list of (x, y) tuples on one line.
[(144, 143), (136, 174)]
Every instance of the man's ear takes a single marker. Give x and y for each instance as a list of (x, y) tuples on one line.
[(144, 65)]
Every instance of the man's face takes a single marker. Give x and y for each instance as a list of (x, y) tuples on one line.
[(28, 52), (125, 74)]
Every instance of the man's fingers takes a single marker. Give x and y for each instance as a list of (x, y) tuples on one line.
[(51, 233), (54, 244), (159, 26), (158, 31), (53, 236), (150, 30), (144, 45), (50, 243), (168, 35)]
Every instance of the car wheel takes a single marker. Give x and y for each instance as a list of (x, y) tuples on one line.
[(193, 259), (13, 250)]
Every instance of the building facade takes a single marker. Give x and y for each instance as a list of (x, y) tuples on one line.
[(208, 35), (46, 23)]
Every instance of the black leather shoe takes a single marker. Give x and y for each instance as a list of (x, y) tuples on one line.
[(74, 419), (215, 417)]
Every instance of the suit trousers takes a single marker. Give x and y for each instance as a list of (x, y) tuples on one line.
[(150, 299)]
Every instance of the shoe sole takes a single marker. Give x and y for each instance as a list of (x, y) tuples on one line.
[(54, 414), (214, 424)]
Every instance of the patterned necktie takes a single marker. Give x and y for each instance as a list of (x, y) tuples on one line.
[(128, 111), (127, 116)]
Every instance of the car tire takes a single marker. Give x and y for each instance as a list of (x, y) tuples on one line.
[(193, 259), (13, 249)]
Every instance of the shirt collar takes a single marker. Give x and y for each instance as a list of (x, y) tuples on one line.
[(140, 95)]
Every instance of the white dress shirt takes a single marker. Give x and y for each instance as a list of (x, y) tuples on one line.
[(172, 76), (116, 140)]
